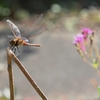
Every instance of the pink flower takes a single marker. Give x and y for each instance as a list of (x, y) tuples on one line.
[(86, 32), (78, 38), (79, 41)]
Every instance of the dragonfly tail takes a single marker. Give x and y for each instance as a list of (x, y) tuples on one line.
[(29, 44)]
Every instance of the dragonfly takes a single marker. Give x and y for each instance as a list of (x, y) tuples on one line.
[(18, 39)]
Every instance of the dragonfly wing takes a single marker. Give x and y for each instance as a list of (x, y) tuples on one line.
[(10, 36), (37, 20), (14, 29), (25, 39)]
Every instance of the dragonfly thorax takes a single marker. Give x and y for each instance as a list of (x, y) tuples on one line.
[(16, 42)]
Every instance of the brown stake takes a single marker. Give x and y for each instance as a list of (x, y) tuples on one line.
[(22, 68), (10, 73)]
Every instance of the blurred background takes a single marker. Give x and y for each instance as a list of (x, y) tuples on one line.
[(56, 67)]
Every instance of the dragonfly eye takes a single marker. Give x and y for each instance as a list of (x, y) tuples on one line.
[(12, 42)]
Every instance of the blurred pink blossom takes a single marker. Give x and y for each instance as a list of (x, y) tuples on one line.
[(79, 41), (86, 31)]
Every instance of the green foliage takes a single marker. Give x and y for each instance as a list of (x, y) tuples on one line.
[(8, 8), (4, 12)]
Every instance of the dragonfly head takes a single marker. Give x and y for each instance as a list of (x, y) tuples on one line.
[(12, 43)]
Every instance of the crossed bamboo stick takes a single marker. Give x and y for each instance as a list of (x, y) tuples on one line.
[(11, 56)]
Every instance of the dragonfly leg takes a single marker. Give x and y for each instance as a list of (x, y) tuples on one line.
[(18, 51), (13, 48)]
